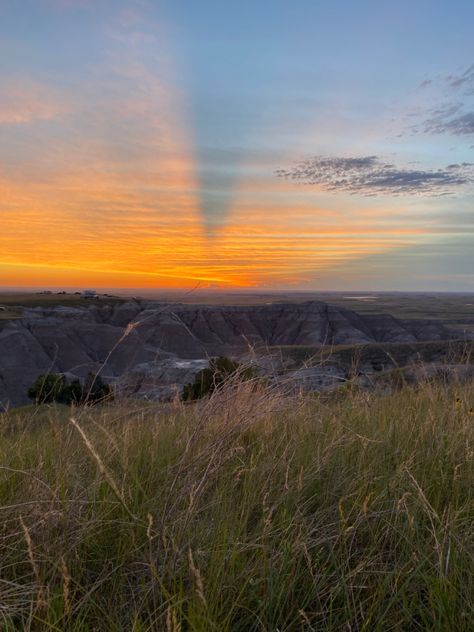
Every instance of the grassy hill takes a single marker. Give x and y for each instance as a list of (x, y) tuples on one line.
[(12, 303), (247, 511)]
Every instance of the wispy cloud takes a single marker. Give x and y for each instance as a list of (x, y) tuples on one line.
[(425, 83), (454, 113), (25, 100), (449, 120), (115, 181), (464, 81), (369, 175)]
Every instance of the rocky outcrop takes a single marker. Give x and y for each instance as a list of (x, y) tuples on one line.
[(149, 340), (194, 330)]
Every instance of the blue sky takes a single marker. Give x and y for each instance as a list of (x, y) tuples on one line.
[(304, 144)]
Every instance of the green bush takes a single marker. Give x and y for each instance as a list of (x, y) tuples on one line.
[(47, 388), (54, 387), (208, 380), (95, 389), (72, 393)]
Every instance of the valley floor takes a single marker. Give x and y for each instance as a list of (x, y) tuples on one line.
[(247, 511)]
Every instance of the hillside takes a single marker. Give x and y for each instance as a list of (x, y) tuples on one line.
[(246, 512), (151, 346)]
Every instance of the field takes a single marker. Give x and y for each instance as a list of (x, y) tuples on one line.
[(455, 309), (10, 312), (12, 303), (439, 305), (248, 511)]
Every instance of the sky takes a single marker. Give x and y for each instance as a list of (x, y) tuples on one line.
[(261, 145)]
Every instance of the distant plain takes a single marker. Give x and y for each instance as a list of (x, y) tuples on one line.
[(456, 309)]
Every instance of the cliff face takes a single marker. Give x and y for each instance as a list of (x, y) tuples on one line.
[(141, 336)]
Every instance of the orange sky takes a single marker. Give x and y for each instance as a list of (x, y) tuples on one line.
[(81, 214), (102, 185), (49, 236)]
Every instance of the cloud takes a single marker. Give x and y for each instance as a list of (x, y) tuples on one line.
[(369, 175), (464, 81), (448, 119), (447, 124), (452, 117), (425, 83), (24, 100)]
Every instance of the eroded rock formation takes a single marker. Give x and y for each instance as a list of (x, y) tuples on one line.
[(148, 341)]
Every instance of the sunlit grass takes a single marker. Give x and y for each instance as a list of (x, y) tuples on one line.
[(250, 511)]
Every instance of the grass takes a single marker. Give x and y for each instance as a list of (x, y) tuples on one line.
[(14, 302), (248, 511), (10, 313)]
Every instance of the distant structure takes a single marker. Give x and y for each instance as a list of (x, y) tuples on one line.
[(89, 294)]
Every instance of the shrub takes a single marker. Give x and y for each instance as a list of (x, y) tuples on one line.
[(54, 387), (208, 380), (95, 389), (47, 388), (72, 393)]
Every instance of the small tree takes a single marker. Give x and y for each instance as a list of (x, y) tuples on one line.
[(96, 389), (211, 378), (47, 388), (54, 387), (72, 393)]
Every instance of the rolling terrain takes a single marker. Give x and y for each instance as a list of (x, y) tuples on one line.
[(151, 349)]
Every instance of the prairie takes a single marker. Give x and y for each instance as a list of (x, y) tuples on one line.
[(12, 303), (251, 510)]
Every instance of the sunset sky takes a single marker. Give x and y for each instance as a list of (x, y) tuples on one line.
[(304, 144)]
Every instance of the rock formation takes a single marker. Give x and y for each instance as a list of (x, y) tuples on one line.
[(150, 346)]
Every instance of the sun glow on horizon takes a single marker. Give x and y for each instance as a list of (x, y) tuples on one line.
[(104, 178)]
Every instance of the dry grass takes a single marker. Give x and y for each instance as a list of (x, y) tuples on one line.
[(248, 511)]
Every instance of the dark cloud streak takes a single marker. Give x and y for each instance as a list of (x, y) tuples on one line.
[(458, 125), (464, 81), (425, 83), (369, 175), (448, 120), (454, 117)]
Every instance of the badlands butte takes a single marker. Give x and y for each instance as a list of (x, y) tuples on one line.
[(151, 348)]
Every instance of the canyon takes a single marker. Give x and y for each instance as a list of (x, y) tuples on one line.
[(150, 349)]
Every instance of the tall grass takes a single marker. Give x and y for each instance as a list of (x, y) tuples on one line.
[(248, 511)]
